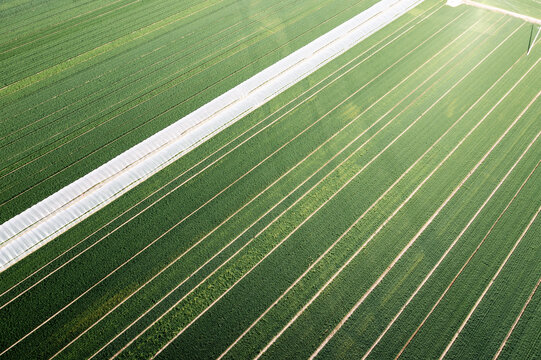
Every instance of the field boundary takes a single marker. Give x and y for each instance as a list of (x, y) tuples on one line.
[(54, 215)]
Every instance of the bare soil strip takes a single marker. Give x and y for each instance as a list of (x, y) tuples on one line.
[(341, 237), (410, 243), (373, 235), (444, 256)]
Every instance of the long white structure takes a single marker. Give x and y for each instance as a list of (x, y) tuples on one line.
[(41, 223)]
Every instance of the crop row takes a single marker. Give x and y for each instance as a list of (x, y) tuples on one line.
[(255, 292)]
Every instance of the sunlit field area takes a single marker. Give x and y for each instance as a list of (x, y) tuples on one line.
[(386, 206), (526, 7)]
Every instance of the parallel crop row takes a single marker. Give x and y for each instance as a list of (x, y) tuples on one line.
[(386, 205)]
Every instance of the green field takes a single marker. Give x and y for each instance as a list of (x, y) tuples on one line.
[(75, 91), (526, 7), (386, 205)]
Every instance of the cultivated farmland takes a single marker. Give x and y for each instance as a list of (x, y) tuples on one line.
[(69, 105), (386, 206), (526, 7)]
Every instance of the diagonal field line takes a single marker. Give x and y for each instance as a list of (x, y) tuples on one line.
[(212, 5), (489, 285), (287, 196), (281, 177), (242, 23), (311, 215), (373, 235), (461, 270), (163, 234), (504, 342), (467, 262), (425, 226), (364, 214), (99, 95), (37, 61), (217, 160), (442, 258), (502, 11), (455, 336), (50, 26)]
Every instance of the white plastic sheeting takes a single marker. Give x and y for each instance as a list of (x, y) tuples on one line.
[(44, 221)]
